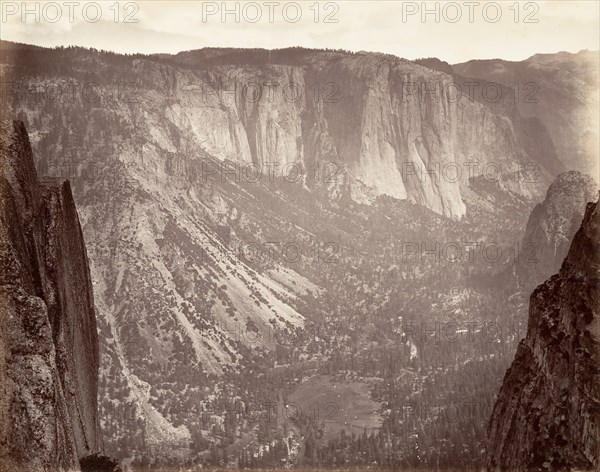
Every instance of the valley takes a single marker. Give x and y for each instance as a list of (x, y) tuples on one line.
[(384, 304)]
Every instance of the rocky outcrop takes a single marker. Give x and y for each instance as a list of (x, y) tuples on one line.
[(383, 125), (551, 227), (547, 415), (48, 340), (146, 174), (391, 126)]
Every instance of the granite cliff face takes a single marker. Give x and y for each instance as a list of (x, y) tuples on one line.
[(547, 415), (48, 339), (188, 248), (551, 227), (390, 126), (383, 125)]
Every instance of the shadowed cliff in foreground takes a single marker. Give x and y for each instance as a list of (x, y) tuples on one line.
[(547, 416), (48, 340)]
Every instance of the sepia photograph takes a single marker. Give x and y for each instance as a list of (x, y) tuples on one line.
[(313, 236)]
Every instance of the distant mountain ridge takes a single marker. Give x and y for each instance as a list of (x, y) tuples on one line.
[(162, 169), (561, 90), (389, 126)]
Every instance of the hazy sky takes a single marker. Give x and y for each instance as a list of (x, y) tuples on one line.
[(453, 31)]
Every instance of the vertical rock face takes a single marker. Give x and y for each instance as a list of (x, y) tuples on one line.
[(383, 125), (48, 339), (393, 127), (552, 226), (547, 415), (152, 194)]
